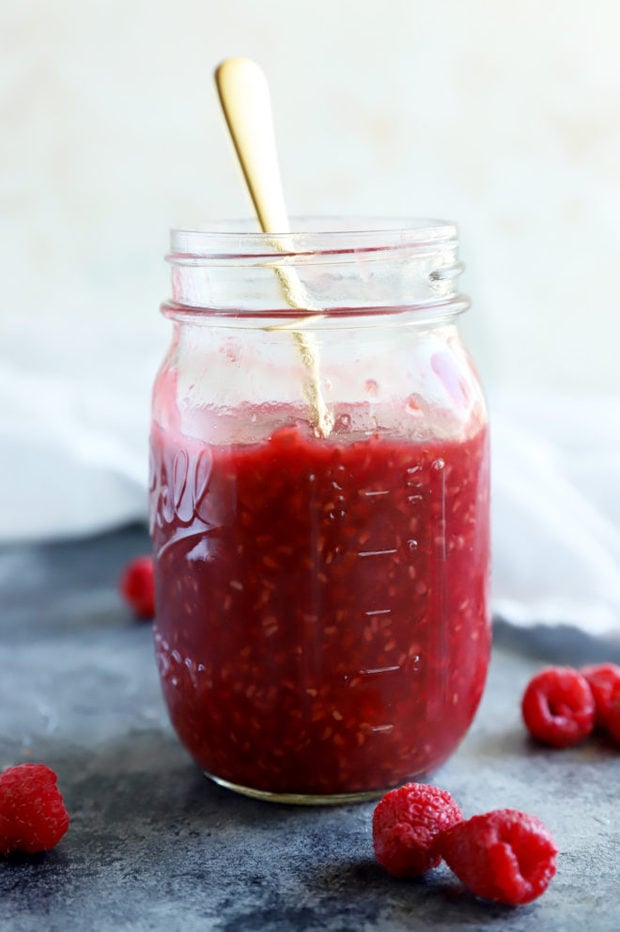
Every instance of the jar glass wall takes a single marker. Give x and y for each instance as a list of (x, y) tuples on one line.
[(322, 625)]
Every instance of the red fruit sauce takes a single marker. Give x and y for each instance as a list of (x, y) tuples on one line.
[(322, 606)]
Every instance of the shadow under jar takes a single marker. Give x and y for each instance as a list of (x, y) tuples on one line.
[(322, 628)]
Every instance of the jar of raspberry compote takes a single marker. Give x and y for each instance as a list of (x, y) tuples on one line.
[(319, 508)]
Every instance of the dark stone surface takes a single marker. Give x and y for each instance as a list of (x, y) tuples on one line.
[(155, 845)]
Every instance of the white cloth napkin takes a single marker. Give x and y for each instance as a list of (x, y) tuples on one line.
[(556, 510), (73, 455)]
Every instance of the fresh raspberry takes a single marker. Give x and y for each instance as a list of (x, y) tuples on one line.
[(137, 586), (612, 720), (558, 707), (504, 855), (405, 826), (32, 813), (604, 681)]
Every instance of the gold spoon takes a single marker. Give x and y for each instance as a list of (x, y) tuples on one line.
[(246, 102)]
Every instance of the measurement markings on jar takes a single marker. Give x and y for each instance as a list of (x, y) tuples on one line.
[(376, 553), (379, 611), (375, 670), (368, 493)]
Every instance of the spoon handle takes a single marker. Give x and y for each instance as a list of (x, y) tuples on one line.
[(246, 102)]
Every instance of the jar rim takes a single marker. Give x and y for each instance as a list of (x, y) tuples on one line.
[(238, 240)]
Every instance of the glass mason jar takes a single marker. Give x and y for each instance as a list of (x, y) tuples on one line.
[(319, 508)]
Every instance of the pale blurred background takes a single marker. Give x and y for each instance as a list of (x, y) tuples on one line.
[(504, 116)]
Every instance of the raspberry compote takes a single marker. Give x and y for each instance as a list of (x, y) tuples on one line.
[(322, 622)]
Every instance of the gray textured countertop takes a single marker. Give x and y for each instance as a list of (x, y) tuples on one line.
[(154, 845)]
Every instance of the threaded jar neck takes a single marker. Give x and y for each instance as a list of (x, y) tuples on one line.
[(356, 267)]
